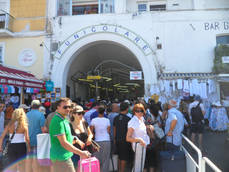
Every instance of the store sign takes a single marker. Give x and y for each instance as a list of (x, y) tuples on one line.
[(14, 82), (104, 28), (27, 57), (225, 59), (135, 75)]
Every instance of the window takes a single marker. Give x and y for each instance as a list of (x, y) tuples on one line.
[(63, 7), (2, 48), (85, 9), (222, 39), (161, 7), (142, 7), (106, 6)]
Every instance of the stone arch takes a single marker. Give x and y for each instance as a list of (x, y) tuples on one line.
[(61, 65)]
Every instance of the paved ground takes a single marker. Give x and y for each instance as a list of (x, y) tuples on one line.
[(217, 148)]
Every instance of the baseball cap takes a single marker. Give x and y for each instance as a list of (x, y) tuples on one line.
[(172, 103), (36, 102), (79, 108), (127, 101)]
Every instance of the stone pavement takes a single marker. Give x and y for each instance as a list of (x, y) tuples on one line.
[(217, 147)]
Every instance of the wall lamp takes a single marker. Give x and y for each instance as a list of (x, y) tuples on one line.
[(158, 43)]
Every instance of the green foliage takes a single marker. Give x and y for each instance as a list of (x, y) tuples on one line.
[(219, 67)]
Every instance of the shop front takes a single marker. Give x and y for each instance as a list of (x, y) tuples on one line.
[(18, 86)]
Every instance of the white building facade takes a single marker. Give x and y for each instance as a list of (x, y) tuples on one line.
[(168, 40)]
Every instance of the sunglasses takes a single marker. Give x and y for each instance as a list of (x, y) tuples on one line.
[(66, 107), (79, 113), (139, 111)]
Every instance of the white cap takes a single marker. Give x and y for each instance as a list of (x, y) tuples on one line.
[(24, 106), (36, 102), (127, 101), (42, 109)]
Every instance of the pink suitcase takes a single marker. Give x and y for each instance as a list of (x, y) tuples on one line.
[(88, 165)]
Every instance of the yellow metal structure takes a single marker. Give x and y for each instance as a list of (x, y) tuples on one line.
[(97, 77)]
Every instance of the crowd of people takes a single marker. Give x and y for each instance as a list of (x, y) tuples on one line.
[(79, 130)]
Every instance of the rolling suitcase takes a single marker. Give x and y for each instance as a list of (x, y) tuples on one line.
[(172, 158), (139, 158)]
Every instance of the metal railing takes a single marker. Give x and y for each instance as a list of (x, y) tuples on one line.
[(200, 165), (192, 165), (205, 161)]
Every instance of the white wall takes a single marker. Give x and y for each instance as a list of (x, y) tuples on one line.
[(216, 4), (120, 6), (179, 4), (188, 37), (5, 5)]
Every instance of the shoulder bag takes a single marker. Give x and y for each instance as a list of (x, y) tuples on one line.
[(95, 145)]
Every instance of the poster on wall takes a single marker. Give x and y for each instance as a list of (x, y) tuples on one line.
[(48, 95), (27, 57), (57, 94), (38, 96), (53, 100), (53, 95), (57, 90), (135, 75)]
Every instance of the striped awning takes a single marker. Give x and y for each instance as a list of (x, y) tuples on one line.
[(186, 75), (15, 77)]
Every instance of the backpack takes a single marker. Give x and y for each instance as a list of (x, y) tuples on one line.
[(196, 114)]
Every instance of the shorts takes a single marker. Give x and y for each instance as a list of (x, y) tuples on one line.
[(197, 128), (124, 150), (17, 151), (60, 166)]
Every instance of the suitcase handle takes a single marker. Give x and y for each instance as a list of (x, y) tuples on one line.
[(135, 156)]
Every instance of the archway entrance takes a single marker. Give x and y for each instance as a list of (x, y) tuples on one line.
[(110, 53), (102, 70)]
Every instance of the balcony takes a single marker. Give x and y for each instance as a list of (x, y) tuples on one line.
[(6, 23)]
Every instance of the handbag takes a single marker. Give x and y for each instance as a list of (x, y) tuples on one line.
[(43, 149), (94, 144), (8, 142), (5, 152)]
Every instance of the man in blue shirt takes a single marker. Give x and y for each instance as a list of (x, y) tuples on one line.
[(174, 124), (36, 121)]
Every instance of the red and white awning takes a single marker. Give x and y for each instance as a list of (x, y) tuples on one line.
[(10, 76)]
